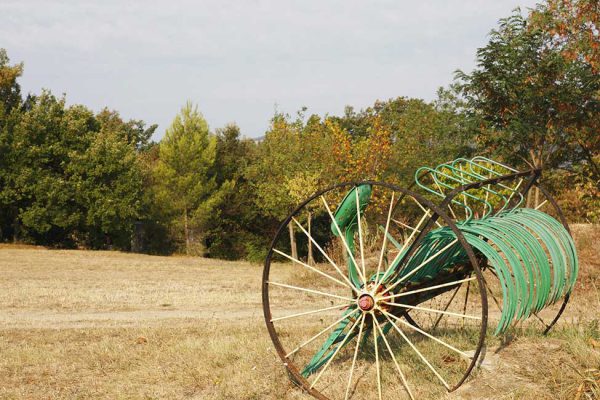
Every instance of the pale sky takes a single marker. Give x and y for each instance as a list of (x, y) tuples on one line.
[(239, 61)]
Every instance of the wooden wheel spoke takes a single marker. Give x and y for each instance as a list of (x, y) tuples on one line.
[(360, 331), (406, 242), (428, 288), (427, 212), (385, 234), (311, 268), (349, 284), (462, 353), (432, 310), (309, 290), (336, 307), (337, 350), (402, 224), (376, 356), (421, 356), (389, 348), (418, 267), (304, 344), (541, 204)]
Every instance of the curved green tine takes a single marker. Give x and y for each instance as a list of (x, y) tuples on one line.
[(509, 169), (491, 232), (326, 351), (459, 177), (513, 190), (539, 262), (569, 244), (549, 241), (450, 257), (462, 182), (434, 174), (436, 239), (430, 190), (564, 264), (470, 163), (568, 268), (498, 264), (544, 240), (520, 239), (487, 189), (557, 256), (513, 239)]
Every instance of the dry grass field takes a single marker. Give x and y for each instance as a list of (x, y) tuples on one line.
[(82, 324)]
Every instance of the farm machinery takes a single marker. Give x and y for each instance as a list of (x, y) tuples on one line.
[(407, 283)]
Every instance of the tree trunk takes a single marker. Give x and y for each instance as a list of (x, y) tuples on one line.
[(533, 199), (293, 241), (16, 231), (186, 231), (311, 260)]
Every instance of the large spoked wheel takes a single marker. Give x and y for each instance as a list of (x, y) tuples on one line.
[(383, 297)]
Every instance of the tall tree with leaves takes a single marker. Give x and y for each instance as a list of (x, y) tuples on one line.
[(293, 150), (535, 105), (185, 175), (233, 233), (10, 101)]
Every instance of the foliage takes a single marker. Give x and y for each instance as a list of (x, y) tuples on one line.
[(239, 224), (68, 177), (535, 92), (531, 100), (185, 176), (72, 177)]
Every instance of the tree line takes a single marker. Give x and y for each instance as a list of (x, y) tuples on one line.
[(71, 177)]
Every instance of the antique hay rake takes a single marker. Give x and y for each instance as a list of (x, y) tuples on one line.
[(396, 299)]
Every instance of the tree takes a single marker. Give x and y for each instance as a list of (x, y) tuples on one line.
[(10, 101), (572, 26), (10, 90), (535, 105), (185, 174), (392, 138), (133, 132), (45, 141), (300, 187), (292, 149), (108, 180), (239, 225)]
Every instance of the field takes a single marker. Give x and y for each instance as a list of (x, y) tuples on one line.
[(81, 324)]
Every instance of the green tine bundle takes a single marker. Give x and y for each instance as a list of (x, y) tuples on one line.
[(530, 252)]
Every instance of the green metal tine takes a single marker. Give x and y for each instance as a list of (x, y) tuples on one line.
[(487, 188), (478, 178), (492, 162), (462, 182)]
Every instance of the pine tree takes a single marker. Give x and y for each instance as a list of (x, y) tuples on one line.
[(185, 177)]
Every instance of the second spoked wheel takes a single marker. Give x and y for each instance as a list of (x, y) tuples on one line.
[(382, 298)]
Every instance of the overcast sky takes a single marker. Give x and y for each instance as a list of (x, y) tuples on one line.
[(239, 61)]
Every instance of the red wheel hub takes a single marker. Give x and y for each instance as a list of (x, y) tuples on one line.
[(366, 302)]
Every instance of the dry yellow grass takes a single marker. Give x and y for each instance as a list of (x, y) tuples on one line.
[(80, 325)]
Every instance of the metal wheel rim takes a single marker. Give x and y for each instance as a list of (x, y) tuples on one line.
[(290, 366)]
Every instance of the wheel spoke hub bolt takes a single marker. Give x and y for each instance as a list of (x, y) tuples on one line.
[(366, 302)]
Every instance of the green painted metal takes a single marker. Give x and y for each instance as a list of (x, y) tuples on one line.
[(535, 260), (346, 218), (531, 253)]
